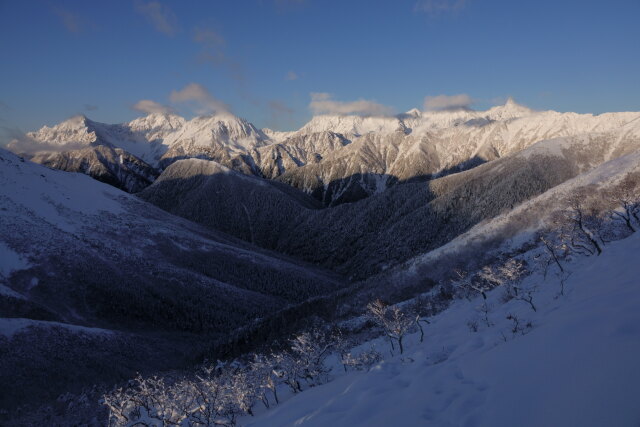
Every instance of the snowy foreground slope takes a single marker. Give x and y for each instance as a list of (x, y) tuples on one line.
[(576, 365)]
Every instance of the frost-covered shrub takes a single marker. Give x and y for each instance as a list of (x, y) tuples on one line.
[(362, 361), (392, 319)]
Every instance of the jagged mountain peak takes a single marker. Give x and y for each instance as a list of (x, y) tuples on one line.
[(77, 130), (156, 121), (414, 112), (236, 126), (351, 124), (510, 110)]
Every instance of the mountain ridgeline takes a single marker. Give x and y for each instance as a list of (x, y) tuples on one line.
[(356, 195)]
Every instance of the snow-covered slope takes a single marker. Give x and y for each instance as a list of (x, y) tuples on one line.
[(253, 209), (83, 253), (575, 366), (520, 224)]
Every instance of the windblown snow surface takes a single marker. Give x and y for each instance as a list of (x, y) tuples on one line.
[(576, 366)]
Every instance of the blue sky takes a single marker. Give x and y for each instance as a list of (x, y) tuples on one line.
[(262, 59)]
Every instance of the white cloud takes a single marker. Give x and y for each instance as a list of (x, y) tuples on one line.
[(24, 145), (213, 52), (291, 75), (159, 15), (73, 22), (323, 103), (199, 97), (447, 102), (208, 37), (437, 7), (151, 107)]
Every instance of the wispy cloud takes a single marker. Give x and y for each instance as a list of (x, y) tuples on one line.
[(214, 52), (24, 145), (8, 134), (323, 103), (279, 106), (199, 98), (72, 22), (447, 102), (291, 75), (90, 107), (279, 113), (213, 45), (151, 107), (438, 7), (160, 16)]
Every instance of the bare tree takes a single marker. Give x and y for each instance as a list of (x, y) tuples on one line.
[(507, 274), (264, 376), (556, 250), (418, 321), (467, 284), (485, 309), (287, 369), (626, 199), (393, 320), (573, 225), (305, 360)]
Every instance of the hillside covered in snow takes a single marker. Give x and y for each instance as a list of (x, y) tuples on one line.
[(572, 362), (96, 284)]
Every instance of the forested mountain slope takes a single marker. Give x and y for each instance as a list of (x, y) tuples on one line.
[(366, 237)]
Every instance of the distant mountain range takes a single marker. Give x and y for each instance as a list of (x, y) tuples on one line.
[(335, 159)]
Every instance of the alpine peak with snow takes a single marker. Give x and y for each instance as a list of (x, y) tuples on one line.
[(288, 213)]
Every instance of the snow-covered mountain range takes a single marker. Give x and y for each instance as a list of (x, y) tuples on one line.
[(335, 158)]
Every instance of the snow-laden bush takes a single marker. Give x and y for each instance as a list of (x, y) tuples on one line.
[(213, 398), (362, 361)]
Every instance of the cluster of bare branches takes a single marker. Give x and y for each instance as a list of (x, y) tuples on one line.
[(218, 395), (395, 322), (590, 221)]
